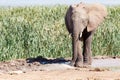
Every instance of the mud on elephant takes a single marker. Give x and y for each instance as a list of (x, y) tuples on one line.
[(81, 22)]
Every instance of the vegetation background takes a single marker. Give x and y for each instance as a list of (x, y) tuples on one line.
[(40, 31)]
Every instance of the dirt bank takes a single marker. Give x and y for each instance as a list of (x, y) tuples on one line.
[(57, 69)]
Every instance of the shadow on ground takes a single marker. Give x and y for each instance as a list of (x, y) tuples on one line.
[(43, 60)]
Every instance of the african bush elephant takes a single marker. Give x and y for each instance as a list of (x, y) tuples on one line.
[(81, 22)]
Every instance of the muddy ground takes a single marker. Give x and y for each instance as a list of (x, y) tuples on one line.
[(58, 69)]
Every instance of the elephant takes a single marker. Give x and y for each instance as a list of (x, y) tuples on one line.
[(81, 21)]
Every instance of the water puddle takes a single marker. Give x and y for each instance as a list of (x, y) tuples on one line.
[(61, 63), (111, 64)]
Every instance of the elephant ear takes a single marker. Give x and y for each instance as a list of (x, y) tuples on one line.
[(96, 14)]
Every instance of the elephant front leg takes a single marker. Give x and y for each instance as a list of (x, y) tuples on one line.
[(74, 49), (77, 56), (79, 61)]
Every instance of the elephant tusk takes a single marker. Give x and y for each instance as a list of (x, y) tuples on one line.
[(80, 34)]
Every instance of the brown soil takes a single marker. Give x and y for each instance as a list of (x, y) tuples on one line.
[(34, 69)]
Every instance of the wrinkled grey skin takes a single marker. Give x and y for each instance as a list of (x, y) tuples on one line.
[(81, 22)]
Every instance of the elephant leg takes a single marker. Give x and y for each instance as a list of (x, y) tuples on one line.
[(87, 53), (79, 61), (74, 49)]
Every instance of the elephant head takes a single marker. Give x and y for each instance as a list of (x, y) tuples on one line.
[(81, 21), (85, 15), (79, 18)]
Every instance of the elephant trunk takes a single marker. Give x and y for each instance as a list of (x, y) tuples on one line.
[(78, 29), (77, 34)]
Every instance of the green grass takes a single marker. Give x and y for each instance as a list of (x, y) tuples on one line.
[(33, 31)]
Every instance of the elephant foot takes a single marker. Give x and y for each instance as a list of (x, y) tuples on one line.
[(86, 65), (79, 64), (82, 65), (87, 62)]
